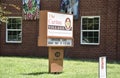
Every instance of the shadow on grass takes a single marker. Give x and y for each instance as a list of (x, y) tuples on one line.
[(40, 73), (29, 57), (35, 73)]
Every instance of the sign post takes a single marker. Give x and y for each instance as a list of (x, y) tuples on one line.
[(56, 59), (55, 32), (102, 67)]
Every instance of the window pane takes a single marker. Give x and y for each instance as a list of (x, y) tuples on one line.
[(18, 26), (14, 20), (14, 35), (85, 34), (84, 24), (90, 34), (85, 37), (9, 20), (84, 27), (96, 26), (18, 21), (13, 26), (9, 26), (95, 34), (95, 40), (84, 21), (96, 20), (90, 40), (90, 37), (90, 26), (14, 23), (90, 20)]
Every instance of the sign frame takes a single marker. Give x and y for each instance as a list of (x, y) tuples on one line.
[(59, 26)]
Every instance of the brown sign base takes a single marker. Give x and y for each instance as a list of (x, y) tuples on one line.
[(55, 59)]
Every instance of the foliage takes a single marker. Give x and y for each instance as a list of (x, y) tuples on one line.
[(4, 18)]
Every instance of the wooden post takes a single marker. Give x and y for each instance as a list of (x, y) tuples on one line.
[(56, 59)]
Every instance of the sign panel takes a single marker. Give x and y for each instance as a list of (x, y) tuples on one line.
[(31, 9), (59, 25), (59, 42), (102, 67)]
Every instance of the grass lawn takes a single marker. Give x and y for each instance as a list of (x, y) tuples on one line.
[(25, 67)]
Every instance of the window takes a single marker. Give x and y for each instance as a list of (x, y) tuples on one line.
[(14, 30), (90, 30)]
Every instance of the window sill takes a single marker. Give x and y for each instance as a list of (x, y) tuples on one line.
[(13, 41), (90, 43)]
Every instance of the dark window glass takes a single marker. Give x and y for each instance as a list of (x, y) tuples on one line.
[(14, 29), (90, 30)]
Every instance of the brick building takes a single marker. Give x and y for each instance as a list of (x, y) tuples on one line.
[(101, 40)]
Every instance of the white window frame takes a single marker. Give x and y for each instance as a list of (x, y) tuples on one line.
[(13, 30), (81, 41)]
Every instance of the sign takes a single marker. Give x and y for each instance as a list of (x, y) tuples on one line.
[(31, 9), (55, 32), (59, 25), (102, 67), (59, 42)]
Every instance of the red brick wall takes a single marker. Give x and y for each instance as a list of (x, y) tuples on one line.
[(118, 48), (28, 47), (111, 31), (90, 8), (106, 9)]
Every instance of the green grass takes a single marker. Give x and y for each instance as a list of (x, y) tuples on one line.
[(25, 67)]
